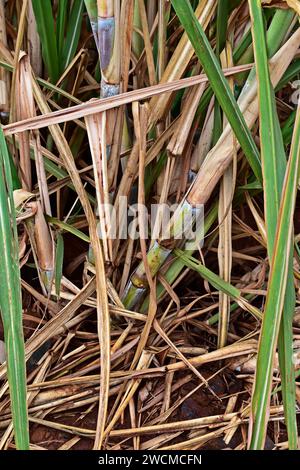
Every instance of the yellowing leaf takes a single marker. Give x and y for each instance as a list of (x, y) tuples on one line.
[(295, 5), (20, 196)]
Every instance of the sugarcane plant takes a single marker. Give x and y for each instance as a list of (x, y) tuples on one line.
[(198, 194), (279, 26), (108, 107)]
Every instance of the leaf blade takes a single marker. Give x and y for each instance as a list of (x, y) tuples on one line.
[(11, 303)]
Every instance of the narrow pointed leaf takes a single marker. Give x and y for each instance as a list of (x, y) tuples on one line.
[(45, 24), (11, 303), (273, 164), (73, 33)]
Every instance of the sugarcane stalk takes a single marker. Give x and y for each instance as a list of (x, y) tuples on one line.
[(105, 18), (109, 53), (214, 166), (108, 32), (178, 265), (184, 217), (172, 274)]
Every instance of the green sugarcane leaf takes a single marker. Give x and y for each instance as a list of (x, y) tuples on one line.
[(73, 33), (61, 24), (208, 275), (291, 73), (11, 302), (288, 128), (68, 228), (216, 281), (277, 31), (275, 299), (242, 46), (273, 164), (222, 19), (46, 29)]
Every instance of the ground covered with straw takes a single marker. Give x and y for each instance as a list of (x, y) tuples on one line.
[(160, 338)]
